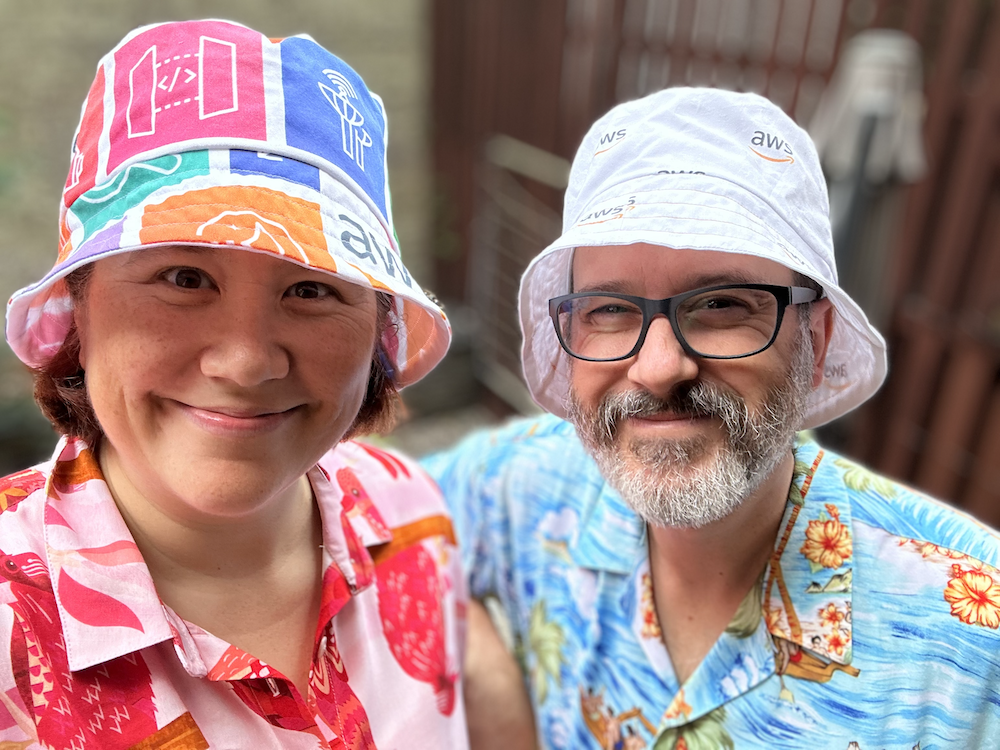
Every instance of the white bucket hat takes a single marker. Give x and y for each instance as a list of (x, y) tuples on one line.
[(700, 169)]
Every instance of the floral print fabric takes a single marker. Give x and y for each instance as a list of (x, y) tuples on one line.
[(876, 624), (95, 660)]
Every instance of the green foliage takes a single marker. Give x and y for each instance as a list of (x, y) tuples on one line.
[(748, 616), (545, 640), (706, 733), (860, 479)]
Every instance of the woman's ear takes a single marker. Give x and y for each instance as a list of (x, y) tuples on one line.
[(80, 322)]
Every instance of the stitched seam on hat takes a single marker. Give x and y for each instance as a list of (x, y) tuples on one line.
[(602, 228), (268, 192), (739, 209), (746, 212)]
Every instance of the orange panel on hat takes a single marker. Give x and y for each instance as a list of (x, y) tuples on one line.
[(376, 284), (65, 241), (254, 217), (420, 333)]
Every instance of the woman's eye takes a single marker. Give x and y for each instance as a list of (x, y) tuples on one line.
[(310, 290), (188, 278)]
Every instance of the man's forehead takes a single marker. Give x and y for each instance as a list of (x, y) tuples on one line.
[(640, 263)]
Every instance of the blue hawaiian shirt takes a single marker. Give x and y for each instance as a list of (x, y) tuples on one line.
[(875, 625)]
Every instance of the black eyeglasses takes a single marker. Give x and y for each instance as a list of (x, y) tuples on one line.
[(717, 322)]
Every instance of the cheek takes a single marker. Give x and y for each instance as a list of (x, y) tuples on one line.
[(591, 381), (338, 360)]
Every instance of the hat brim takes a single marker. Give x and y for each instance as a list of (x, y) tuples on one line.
[(703, 215), (323, 227)]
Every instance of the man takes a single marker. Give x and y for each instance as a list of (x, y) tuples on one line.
[(675, 550)]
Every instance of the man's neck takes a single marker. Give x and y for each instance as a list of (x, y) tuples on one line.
[(700, 576)]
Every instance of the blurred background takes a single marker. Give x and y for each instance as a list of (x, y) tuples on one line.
[(487, 102)]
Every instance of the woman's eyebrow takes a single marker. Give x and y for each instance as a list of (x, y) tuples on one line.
[(135, 257)]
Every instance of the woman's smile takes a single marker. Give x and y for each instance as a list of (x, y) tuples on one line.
[(221, 376), (226, 421)]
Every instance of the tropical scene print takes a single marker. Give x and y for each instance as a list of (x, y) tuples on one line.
[(849, 640)]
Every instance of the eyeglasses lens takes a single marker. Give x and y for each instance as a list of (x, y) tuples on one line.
[(719, 323)]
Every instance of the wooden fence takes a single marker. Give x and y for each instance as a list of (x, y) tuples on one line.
[(541, 71)]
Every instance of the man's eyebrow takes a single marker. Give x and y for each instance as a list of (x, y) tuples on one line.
[(615, 287), (619, 286), (725, 277)]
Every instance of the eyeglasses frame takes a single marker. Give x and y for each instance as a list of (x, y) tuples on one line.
[(653, 308)]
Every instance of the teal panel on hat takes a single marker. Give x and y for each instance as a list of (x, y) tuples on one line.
[(112, 200)]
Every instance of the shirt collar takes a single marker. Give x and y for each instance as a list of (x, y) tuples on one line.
[(807, 590), (107, 603), (610, 535), (105, 595)]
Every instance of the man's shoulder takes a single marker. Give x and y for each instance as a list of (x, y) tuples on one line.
[(907, 513), (542, 443)]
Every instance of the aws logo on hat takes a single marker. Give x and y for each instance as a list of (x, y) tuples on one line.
[(610, 140), (771, 147)]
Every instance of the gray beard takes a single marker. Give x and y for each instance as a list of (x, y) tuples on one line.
[(659, 479)]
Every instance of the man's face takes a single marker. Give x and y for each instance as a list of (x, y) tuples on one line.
[(686, 439)]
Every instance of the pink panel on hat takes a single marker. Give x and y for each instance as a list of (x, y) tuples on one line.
[(185, 82), (83, 164)]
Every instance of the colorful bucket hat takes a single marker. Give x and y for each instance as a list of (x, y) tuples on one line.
[(700, 169), (209, 133)]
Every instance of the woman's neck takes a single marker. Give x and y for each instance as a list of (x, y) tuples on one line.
[(188, 543), (255, 582)]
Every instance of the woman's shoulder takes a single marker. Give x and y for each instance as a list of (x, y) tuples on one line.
[(395, 484), (22, 509)]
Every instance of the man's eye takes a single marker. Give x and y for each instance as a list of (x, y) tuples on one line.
[(188, 278), (310, 290), (721, 303)]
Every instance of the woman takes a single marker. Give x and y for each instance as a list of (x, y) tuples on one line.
[(204, 562)]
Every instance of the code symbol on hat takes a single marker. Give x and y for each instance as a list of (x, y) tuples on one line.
[(206, 79), (172, 89)]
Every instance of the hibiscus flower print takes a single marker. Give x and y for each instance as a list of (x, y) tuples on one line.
[(828, 541), (831, 616), (836, 642), (650, 622), (777, 623), (678, 707), (974, 597)]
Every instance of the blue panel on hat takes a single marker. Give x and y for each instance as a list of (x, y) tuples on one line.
[(329, 112), (254, 162)]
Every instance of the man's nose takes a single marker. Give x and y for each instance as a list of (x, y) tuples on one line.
[(246, 346), (662, 363)]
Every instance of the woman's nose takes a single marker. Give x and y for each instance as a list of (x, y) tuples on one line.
[(662, 363), (245, 346)]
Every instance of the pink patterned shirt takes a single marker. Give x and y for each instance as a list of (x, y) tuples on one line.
[(96, 660)]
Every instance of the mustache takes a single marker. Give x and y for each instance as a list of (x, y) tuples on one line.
[(694, 400)]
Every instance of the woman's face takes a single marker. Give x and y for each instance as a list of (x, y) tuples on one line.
[(220, 376)]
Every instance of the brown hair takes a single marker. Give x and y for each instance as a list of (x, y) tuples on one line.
[(61, 389)]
